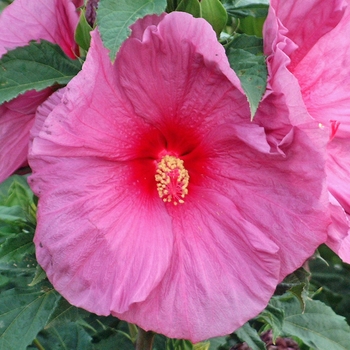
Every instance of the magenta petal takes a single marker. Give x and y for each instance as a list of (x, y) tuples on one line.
[(339, 231), (326, 90), (181, 61), (94, 117), (97, 238), (138, 28), (14, 137), (256, 206), (44, 110), (282, 195), (26, 20), (16, 120), (305, 29), (222, 273), (21, 22), (338, 171), (319, 43)]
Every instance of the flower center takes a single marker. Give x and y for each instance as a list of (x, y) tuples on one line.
[(172, 179)]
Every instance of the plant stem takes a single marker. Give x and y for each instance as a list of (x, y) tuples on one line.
[(37, 344), (144, 340)]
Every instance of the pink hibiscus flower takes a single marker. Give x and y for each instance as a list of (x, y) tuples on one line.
[(319, 60), (21, 22), (160, 202)]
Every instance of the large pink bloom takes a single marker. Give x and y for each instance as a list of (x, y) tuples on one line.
[(315, 35), (160, 202), (21, 22)]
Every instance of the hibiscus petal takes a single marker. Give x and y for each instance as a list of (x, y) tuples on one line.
[(222, 272), (326, 90), (338, 171), (44, 110), (282, 195), (180, 63), (16, 120), (95, 118), (139, 27), (97, 237), (52, 20), (339, 232), (305, 29)]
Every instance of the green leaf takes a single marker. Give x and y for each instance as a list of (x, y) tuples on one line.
[(334, 281), (179, 344), (118, 341), (318, 327), (201, 346), (16, 247), (247, 3), (190, 6), (40, 275), (23, 313), (215, 14), (211, 10), (65, 312), (70, 336), (249, 335), (82, 33), (215, 343), (115, 17), (244, 8), (273, 316), (12, 214), (252, 26), (17, 208), (34, 67), (250, 43), (298, 284), (252, 72), (5, 188)]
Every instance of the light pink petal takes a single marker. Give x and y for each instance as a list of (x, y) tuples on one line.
[(222, 273), (16, 120), (344, 250), (108, 214), (338, 171), (102, 243), (182, 65), (21, 22), (102, 226), (294, 193), (274, 34), (44, 110), (282, 195), (26, 20), (138, 28), (282, 106), (14, 138), (93, 117), (339, 232), (326, 90), (307, 21), (249, 203)]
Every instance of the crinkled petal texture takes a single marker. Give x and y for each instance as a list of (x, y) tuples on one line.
[(325, 92), (106, 239), (27, 20), (21, 22), (16, 120)]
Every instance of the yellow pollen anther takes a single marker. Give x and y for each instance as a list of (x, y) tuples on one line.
[(172, 180)]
